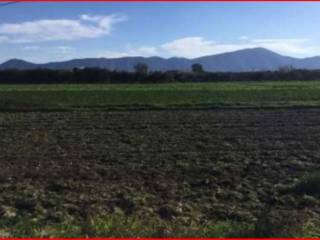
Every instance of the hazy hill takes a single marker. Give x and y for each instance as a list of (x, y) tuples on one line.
[(254, 59)]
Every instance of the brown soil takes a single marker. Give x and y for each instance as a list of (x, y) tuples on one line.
[(191, 164)]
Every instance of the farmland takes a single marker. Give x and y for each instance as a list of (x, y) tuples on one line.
[(218, 159), (21, 97)]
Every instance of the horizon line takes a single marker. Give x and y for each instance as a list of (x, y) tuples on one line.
[(155, 56)]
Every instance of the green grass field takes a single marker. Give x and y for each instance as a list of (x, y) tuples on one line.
[(217, 94)]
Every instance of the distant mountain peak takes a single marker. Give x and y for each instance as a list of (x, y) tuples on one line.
[(257, 50), (17, 64), (15, 60)]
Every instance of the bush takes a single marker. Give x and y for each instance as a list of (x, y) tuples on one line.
[(309, 184)]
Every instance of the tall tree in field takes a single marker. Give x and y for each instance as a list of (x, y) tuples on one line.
[(197, 68), (141, 68)]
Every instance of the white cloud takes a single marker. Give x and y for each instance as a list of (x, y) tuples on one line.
[(86, 26), (3, 39), (244, 37), (274, 40), (192, 47), (31, 48), (290, 46), (64, 49), (197, 46), (114, 54), (149, 51), (145, 51)]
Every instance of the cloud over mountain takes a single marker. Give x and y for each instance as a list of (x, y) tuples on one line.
[(196, 46)]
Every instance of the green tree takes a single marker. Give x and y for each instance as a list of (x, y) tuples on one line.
[(141, 68), (197, 68), (286, 68)]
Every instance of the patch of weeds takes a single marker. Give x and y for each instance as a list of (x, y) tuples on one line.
[(311, 229), (309, 184), (117, 224), (114, 225), (25, 226), (271, 223), (4, 175), (281, 223), (120, 225), (102, 171), (227, 230)]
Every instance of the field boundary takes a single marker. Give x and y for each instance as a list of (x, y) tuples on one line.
[(156, 108)]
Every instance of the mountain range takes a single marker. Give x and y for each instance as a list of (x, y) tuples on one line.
[(254, 59)]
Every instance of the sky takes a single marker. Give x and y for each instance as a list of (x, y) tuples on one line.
[(52, 31)]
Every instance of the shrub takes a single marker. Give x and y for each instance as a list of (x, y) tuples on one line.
[(309, 184)]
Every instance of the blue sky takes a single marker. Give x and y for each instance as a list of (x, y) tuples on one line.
[(42, 32)]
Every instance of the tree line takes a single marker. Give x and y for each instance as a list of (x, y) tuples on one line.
[(143, 75)]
